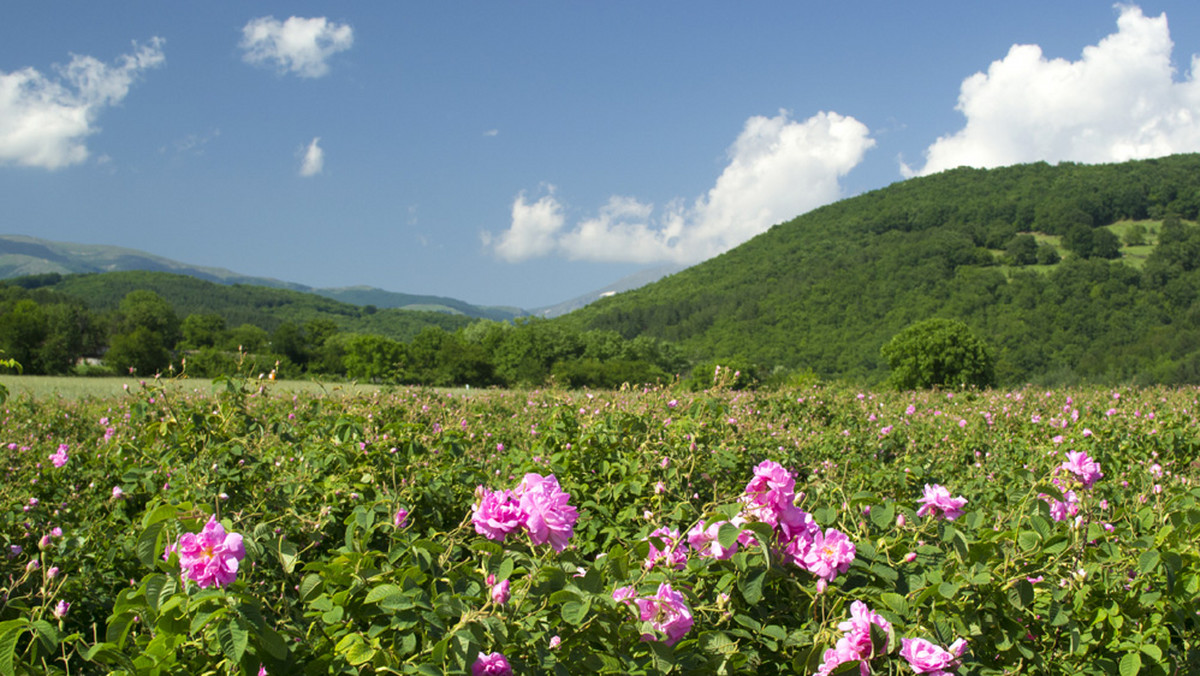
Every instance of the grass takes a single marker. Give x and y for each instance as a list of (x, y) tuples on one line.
[(70, 387)]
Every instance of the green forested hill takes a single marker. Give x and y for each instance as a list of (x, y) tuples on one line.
[(239, 304), (826, 290)]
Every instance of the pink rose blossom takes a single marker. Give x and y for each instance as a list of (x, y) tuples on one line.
[(60, 457), (500, 593), (937, 499), (1083, 467), (927, 658), (673, 553), (545, 512), (704, 542), (829, 555), (211, 556), (496, 514), (493, 664), (60, 610), (401, 518), (667, 612)]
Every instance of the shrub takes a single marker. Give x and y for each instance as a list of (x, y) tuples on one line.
[(938, 353)]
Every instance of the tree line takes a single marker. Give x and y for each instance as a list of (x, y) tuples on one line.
[(49, 333)]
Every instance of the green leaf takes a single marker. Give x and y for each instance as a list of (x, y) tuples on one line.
[(1131, 664), (727, 535), (1028, 540), (233, 638), (10, 631), (159, 513), (895, 602), (355, 649), (383, 591), (751, 585), (147, 544), (1148, 561), (575, 612), (288, 554)]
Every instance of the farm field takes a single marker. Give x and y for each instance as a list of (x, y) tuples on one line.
[(248, 528), (73, 387)]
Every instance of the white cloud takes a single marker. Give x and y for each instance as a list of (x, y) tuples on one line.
[(1119, 101), (314, 159), (298, 45), (44, 121), (492, 132), (778, 168), (534, 228)]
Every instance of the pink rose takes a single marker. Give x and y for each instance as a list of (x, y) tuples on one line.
[(937, 499), (667, 612), (926, 658), (211, 556), (545, 512), (496, 514), (491, 665)]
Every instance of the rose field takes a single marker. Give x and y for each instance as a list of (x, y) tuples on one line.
[(823, 530)]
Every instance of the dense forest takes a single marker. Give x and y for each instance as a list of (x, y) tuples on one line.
[(1066, 274), (1071, 273), (152, 322)]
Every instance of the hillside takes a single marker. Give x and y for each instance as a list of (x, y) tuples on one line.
[(826, 290), (239, 304), (22, 256)]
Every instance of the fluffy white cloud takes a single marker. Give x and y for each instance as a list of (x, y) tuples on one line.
[(314, 159), (1119, 101), (298, 45), (45, 120), (778, 168), (534, 228)]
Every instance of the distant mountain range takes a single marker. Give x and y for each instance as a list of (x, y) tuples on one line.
[(21, 255)]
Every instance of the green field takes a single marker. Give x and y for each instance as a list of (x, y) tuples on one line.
[(68, 387)]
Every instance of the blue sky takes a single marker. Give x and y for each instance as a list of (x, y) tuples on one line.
[(523, 153)]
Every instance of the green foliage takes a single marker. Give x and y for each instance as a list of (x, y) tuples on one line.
[(332, 583), (938, 353), (828, 289)]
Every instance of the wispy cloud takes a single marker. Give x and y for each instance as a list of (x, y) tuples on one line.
[(1119, 101), (492, 132), (778, 168), (297, 45), (44, 121), (313, 161)]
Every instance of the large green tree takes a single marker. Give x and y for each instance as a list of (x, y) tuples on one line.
[(938, 353)]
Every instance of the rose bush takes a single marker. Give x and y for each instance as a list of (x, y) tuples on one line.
[(426, 532)]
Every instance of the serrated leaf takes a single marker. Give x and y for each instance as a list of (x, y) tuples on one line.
[(288, 555), (1148, 561), (727, 535), (1028, 539), (895, 602), (575, 612), (751, 585), (355, 649), (1131, 664), (383, 591), (10, 632), (147, 544), (233, 638)]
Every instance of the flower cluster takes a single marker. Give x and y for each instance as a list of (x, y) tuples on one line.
[(1078, 467), (60, 457), (538, 506), (927, 658), (673, 554), (855, 645), (211, 556), (770, 498), (666, 611), (937, 501)]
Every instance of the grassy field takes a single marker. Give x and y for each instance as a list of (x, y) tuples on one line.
[(67, 387)]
